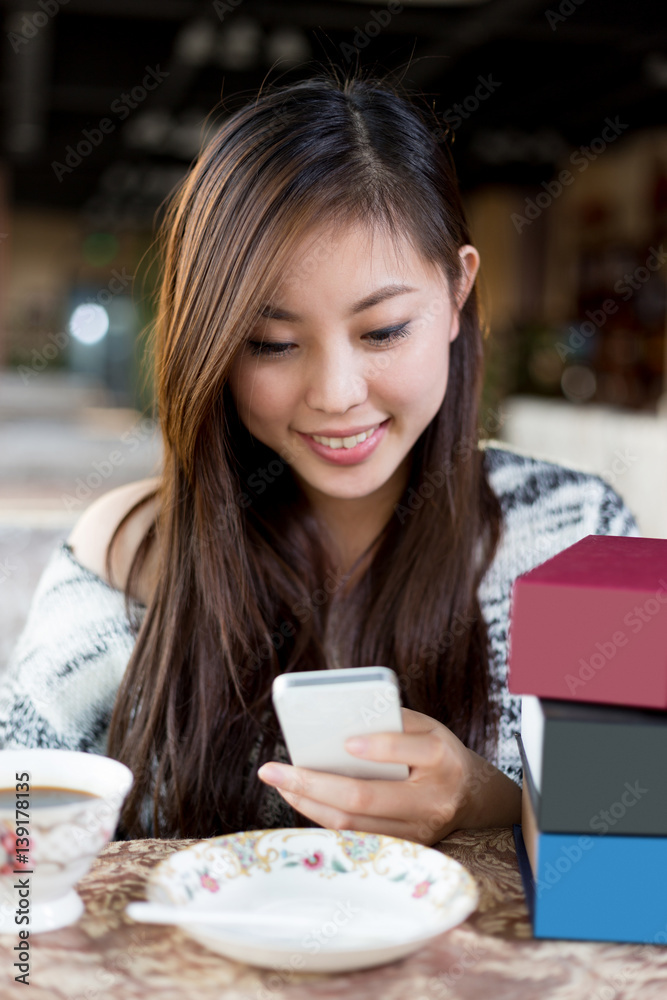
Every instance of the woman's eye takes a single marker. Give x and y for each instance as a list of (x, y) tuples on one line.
[(270, 349), (390, 334), (267, 348)]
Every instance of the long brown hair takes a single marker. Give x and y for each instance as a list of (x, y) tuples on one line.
[(242, 592)]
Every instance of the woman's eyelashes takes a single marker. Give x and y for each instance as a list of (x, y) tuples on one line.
[(380, 338)]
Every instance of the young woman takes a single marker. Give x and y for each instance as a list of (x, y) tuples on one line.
[(324, 500)]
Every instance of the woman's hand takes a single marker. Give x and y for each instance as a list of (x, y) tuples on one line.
[(449, 787)]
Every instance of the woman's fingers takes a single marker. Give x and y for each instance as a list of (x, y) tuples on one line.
[(416, 749), (419, 807), (416, 722), (353, 796), (333, 818)]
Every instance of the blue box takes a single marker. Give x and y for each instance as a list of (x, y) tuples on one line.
[(586, 887), (615, 889)]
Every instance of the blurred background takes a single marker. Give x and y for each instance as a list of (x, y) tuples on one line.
[(557, 118)]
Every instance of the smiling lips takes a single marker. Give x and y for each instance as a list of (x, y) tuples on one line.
[(344, 442), (347, 450)]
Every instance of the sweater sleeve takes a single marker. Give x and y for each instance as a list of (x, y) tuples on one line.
[(614, 517), (546, 508), (61, 681)]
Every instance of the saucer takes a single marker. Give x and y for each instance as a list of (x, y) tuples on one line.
[(367, 898)]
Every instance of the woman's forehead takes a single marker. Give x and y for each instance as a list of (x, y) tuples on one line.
[(372, 249)]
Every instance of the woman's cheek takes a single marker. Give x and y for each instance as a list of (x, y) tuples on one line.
[(264, 401), (418, 378)]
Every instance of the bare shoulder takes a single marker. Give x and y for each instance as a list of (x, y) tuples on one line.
[(92, 533)]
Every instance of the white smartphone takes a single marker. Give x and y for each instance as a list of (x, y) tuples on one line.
[(319, 709)]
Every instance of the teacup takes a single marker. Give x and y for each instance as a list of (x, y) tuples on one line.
[(37, 893)]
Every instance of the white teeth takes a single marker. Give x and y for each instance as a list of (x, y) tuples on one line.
[(348, 442)]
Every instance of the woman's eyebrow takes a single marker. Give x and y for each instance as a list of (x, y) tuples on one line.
[(387, 292)]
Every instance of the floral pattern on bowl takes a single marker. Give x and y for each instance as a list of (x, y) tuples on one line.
[(300, 871)]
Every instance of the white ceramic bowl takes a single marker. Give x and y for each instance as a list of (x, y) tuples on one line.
[(351, 886)]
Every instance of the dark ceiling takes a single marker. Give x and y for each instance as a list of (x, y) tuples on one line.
[(555, 72)]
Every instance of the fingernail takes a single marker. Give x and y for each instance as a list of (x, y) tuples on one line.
[(356, 744), (272, 773)]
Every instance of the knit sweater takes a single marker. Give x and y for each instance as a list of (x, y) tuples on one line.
[(64, 672)]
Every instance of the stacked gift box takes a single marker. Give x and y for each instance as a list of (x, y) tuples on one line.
[(588, 653)]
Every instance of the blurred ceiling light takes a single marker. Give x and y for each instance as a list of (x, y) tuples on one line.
[(159, 132), (120, 177), (239, 44), (515, 146), (289, 45), (655, 69), (89, 323), (195, 43), (24, 137), (578, 383), (27, 81), (185, 138), (147, 130)]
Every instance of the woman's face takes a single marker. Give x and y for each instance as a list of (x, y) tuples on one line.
[(356, 340)]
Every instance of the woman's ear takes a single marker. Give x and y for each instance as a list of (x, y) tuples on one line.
[(470, 262)]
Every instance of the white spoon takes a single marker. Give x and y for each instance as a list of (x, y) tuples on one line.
[(156, 913)]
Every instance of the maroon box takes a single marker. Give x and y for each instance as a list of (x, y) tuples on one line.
[(590, 624)]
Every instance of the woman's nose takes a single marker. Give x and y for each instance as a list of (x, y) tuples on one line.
[(336, 381)]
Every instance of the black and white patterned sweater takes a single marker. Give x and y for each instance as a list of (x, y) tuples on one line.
[(64, 672)]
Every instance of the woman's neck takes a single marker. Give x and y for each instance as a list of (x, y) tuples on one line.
[(351, 525)]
